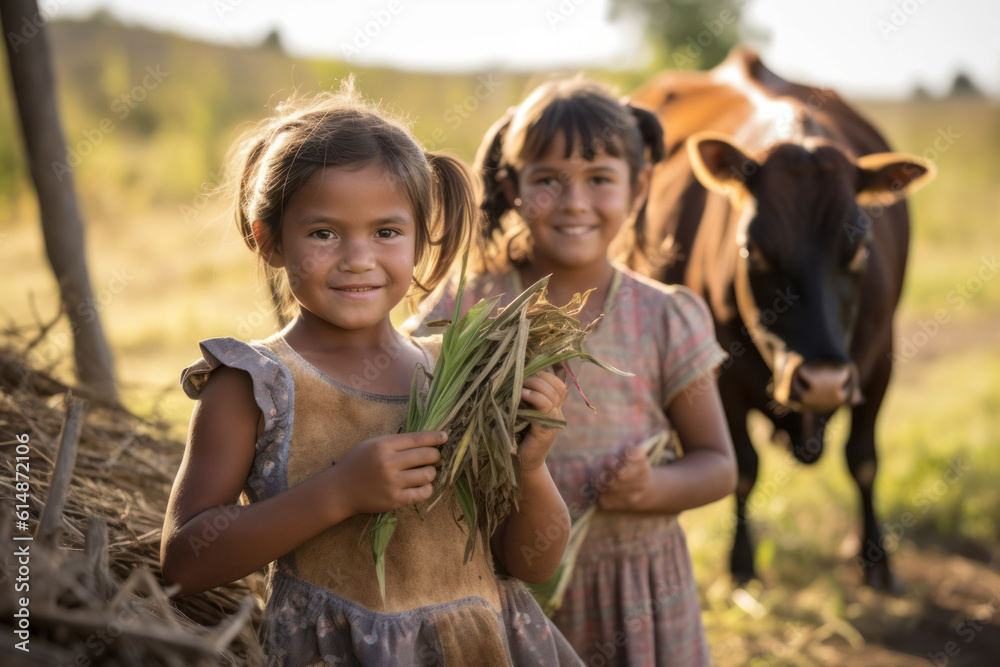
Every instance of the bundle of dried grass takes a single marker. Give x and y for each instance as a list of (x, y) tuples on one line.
[(96, 514), (474, 394)]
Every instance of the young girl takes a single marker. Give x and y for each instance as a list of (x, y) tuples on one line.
[(563, 173), (345, 204)]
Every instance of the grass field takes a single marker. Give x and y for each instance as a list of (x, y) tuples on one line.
[(168, 271)]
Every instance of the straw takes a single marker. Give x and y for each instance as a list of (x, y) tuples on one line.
[(474, 393)]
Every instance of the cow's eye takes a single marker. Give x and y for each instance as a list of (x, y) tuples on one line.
[(752, 253), (859, 261)]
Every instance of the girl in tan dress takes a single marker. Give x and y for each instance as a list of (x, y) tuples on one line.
[(351, 214)]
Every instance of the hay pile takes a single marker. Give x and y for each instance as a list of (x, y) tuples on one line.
[(96, 596)]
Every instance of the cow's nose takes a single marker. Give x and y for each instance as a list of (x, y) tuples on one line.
[(821, 388)]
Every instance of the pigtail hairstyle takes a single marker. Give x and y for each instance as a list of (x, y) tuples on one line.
[(451, 227), (249, 155), (631, 247), (651, 131), (247, 176), (493, 203)]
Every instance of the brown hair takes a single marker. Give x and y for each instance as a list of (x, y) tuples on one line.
[(339, 130), (591, 120)]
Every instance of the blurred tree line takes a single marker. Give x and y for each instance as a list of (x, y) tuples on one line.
[(687, 34), (149, 117)]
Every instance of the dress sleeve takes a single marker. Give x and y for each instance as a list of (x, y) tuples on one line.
[(692, 350), (272, 381)]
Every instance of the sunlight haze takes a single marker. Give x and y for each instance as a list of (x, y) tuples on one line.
[(865, 48)]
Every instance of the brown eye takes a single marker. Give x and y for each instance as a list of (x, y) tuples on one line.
[(860, 259), (751, 252)]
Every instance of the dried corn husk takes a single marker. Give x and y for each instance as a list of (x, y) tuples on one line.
[(474, 394), (550, 593)]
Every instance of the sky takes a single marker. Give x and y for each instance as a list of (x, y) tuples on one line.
[(863, 48)]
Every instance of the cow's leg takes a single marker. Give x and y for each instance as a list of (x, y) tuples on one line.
[(741, 558), (873, 561)]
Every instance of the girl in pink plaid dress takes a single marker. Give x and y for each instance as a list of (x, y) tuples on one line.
[(562, 174)]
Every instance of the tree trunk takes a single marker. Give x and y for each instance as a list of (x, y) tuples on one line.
[(26, 37)]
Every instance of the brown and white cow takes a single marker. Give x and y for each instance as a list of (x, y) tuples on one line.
[(782, 207)]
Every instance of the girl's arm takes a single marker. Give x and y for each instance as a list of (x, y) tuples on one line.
[(209, 540), (706, 472), (530, 543)]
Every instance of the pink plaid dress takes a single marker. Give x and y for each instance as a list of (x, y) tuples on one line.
[(632, 599)]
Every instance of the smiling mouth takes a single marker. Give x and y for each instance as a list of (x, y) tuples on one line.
[(355, 289), (575, 230)]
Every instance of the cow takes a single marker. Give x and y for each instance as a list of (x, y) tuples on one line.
[(784, 209)]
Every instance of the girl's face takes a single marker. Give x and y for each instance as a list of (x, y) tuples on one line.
[(348, 246), (575, 207)]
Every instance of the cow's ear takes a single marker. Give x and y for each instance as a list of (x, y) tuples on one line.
[(886, 178), (719, 164)]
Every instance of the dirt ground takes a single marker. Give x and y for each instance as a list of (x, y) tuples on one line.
[(948, 614)]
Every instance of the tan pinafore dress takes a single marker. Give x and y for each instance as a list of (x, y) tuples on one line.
[(323, 600)]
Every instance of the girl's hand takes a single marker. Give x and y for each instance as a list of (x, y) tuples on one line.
[(631, 481), (545, 392), (390, 471)]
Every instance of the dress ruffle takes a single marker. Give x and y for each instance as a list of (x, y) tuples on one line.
[(312, 625)]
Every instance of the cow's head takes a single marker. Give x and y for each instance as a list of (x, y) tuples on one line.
[(803, 248)]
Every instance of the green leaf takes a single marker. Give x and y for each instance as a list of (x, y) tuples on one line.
[(461, 285), (509, 312), (521, 343), (463, 446), (540, 418), (550, 593), (468, 507), (381, 530), (603, 364)]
